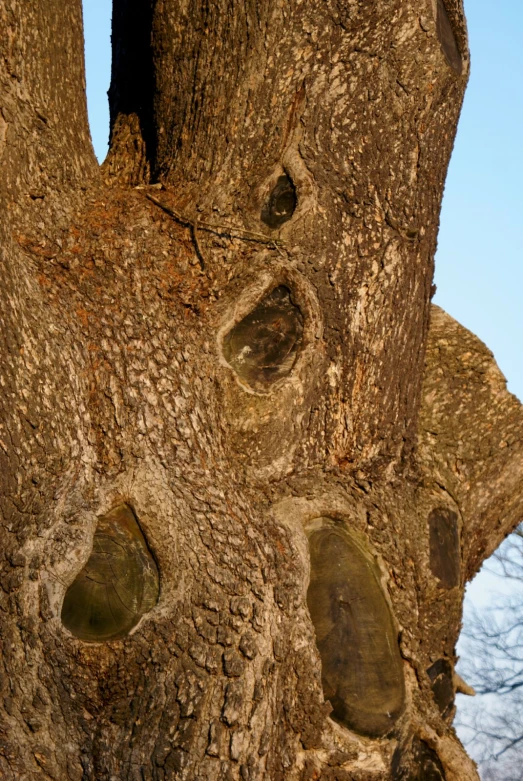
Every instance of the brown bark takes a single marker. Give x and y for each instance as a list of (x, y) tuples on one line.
[(213, 354)]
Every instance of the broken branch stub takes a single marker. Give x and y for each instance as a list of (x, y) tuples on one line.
[(471, 439)]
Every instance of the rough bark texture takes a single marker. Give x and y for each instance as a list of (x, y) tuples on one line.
[(226, 331)]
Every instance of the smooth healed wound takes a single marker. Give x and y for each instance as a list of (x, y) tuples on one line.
[(362, 673), (118, 584), (264, 345)]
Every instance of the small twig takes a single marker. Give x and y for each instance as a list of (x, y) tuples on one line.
[(197, 246), (219, 230), (183, 221), (171, 212)]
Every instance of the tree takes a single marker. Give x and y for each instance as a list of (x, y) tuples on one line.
[(493, 662), (243, 481)]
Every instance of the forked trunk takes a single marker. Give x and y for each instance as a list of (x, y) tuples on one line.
[(246, 471)]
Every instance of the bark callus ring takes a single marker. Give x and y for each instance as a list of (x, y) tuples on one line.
[(117, 586), (281, 204), (362, 673), (263, 347)]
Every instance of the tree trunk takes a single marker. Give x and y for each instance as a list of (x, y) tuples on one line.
[(243, 483)]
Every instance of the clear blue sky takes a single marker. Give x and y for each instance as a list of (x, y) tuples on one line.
[(479, 268), (479, 264)]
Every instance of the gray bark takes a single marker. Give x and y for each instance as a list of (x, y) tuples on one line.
[(217, 366)]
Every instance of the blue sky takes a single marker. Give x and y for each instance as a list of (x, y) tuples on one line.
[(479, 264)]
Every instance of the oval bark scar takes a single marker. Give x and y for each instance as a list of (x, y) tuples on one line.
[(447, 39), (362, 671), (444, 544), (281, 204)]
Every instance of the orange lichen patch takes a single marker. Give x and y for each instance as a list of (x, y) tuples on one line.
[(41, 248), (105, 270), (83, 316), (44, 281)]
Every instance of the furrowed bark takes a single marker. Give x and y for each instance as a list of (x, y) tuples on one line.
[(44, 138), (211, 388)]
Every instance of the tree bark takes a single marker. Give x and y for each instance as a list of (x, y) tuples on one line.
[(243, 483)]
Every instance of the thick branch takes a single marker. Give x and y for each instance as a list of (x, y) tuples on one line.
[(471, 435), (44, 135)]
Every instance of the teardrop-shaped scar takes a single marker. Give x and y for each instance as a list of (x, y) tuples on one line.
[(281, 204), (263, 347), (118, 584)]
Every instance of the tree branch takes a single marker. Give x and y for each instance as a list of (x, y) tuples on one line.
[(471, 435), (46, 137)]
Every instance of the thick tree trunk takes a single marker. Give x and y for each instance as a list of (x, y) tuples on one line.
[(240, 497)]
